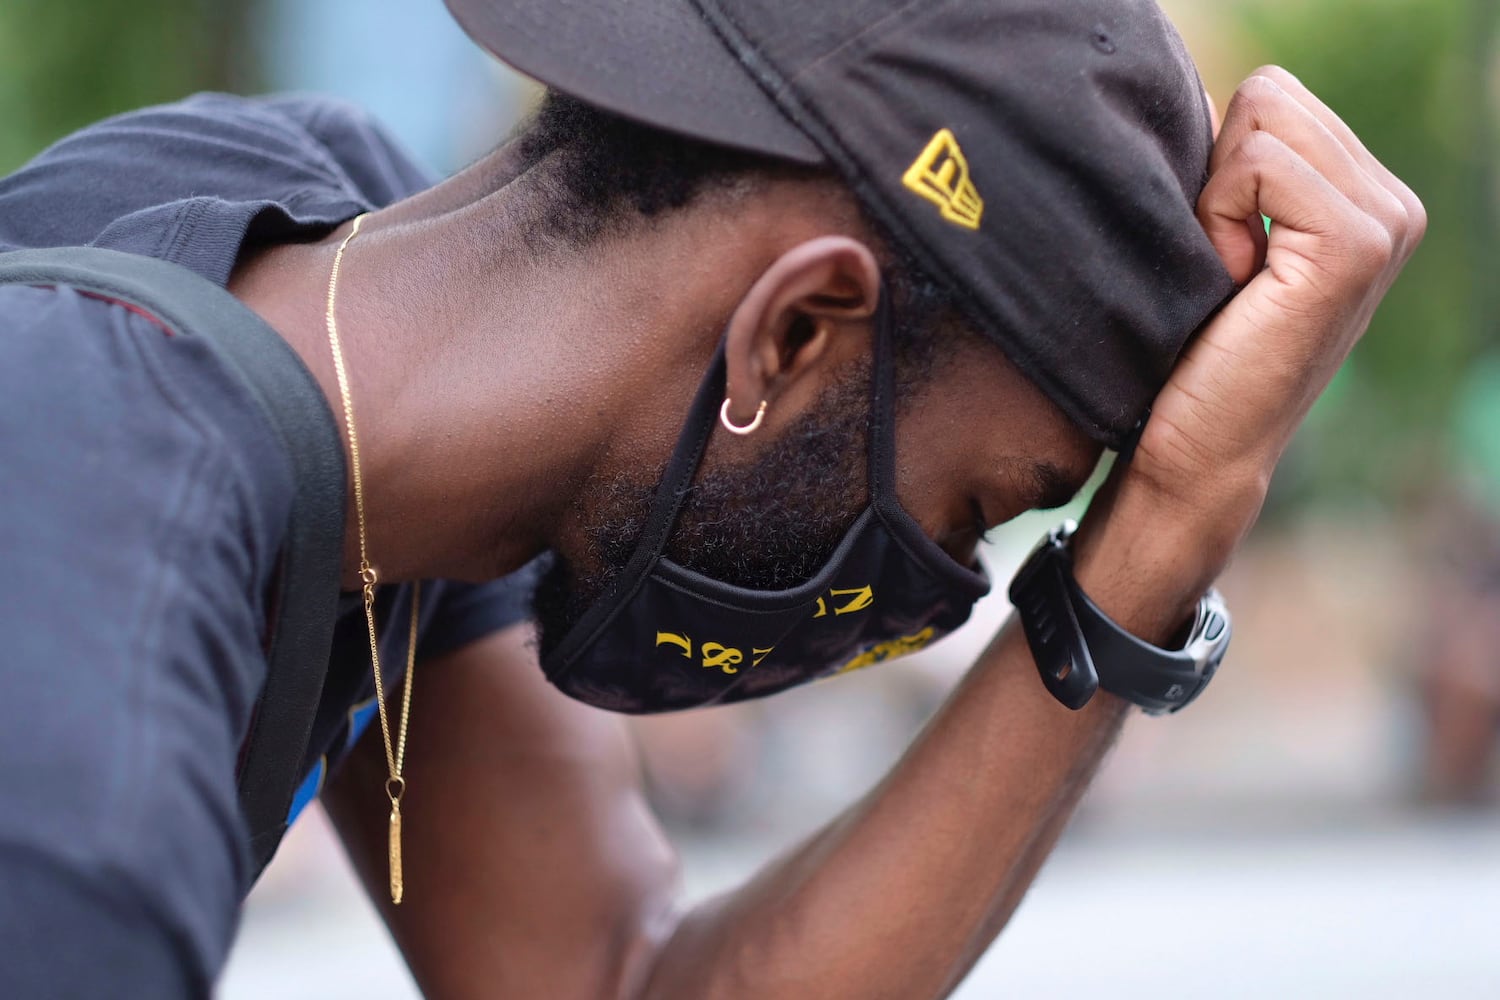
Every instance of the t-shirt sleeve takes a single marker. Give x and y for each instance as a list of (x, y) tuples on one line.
[(376, 165), (469, 611), (190, 181), (141, 498)]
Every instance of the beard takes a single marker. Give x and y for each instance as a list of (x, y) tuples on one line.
[(768, 524)]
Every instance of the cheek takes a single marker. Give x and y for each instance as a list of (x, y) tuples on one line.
[(601, 524), (938, 472), (969, 437)]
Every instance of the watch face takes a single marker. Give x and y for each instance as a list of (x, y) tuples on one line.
[(1207, 643)]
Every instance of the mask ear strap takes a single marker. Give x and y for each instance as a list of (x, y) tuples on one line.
[(677, 480), (675, 484), (882, 432)]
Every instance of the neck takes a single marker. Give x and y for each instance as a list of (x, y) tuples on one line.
[(479, 373)]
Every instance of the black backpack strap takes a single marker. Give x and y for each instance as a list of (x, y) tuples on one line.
[(311, 558)]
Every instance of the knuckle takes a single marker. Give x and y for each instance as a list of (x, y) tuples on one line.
[(1256, 96), (1261, 146), (1261, 86), (1416, 218), (1372, 246), (1396, 215), (1396, 208), (1271, 71)]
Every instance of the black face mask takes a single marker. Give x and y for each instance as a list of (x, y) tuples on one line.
[(664, 637)]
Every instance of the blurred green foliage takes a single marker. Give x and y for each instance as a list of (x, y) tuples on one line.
[(66, 63), (1414, 78)]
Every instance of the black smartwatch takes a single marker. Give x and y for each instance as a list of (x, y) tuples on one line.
[(1079, 650)]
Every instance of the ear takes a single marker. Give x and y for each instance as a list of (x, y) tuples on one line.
[(807, 314)]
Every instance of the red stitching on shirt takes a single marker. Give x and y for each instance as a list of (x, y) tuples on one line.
[(132, 307), (150, 317)]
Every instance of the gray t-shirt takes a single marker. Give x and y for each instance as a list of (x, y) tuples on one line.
[(143, 497)]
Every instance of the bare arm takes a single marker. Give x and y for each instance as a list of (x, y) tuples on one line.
[(534, 868)]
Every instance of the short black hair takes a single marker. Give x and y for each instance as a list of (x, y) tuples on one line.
[(608, 172)]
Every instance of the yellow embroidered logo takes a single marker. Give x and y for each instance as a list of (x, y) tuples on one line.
[(941, 175), (889, 650)]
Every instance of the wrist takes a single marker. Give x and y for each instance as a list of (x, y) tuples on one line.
[(1145, 559), (1080, 649)]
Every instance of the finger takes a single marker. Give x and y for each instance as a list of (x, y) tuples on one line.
[(1415, 221), (1261, 105), (1298, 91), (1265, 175), (1260, 235)]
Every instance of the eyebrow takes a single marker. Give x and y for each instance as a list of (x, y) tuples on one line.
[(1053, 487)]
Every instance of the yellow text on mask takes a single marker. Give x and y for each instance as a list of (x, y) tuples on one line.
[(715, 655)]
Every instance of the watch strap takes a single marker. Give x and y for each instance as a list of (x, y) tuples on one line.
[(1159, 680), (1079, 649), (1042, 593)]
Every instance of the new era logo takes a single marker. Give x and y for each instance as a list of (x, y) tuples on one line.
[(941, 175)]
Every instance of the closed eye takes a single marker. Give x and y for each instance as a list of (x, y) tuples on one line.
[(1043, 486)]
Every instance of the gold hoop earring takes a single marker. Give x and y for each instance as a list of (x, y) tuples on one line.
[(750, 428)]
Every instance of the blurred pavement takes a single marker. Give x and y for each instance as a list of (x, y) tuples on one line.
[(1395, 909)]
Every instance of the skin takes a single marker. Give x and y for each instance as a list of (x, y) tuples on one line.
[(533, 865)]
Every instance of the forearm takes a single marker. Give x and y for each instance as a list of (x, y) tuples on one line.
[(900, 895)]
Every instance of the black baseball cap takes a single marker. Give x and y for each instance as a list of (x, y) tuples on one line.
[(1041, 157)]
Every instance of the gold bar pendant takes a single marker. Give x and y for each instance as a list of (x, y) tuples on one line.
[(396, 884)]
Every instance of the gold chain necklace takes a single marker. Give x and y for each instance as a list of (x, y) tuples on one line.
[(395, 759)]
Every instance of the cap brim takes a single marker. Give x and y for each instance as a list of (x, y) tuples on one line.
[(655, 61)]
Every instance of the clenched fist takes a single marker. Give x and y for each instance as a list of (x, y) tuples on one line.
[(1343, 226)]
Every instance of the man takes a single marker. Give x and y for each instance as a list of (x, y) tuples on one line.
[(658, 341)]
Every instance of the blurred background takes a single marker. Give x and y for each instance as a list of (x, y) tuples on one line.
[(1322, 823)]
